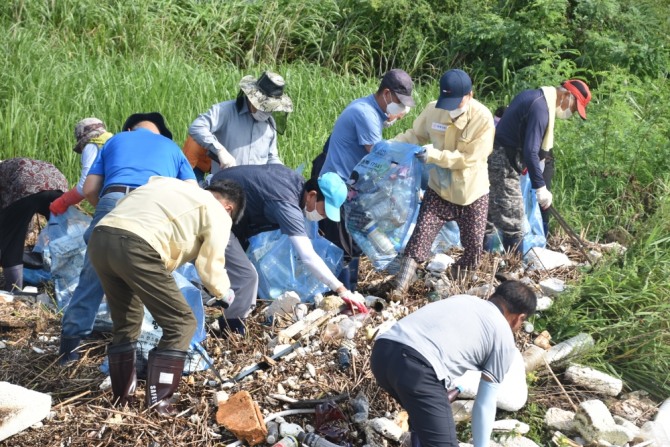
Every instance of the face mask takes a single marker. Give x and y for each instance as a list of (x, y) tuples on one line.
[(562, 113), (260, 115), (313, 215), (390, 123)]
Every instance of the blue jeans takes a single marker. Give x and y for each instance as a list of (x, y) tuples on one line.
[(79, 315)]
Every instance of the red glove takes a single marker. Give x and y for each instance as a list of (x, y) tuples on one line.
[(355, 301), (61, 204), (525, 171)]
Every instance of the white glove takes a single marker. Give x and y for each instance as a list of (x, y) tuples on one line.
[(544, 197), (223, 301), (226, 160), (422, 155)]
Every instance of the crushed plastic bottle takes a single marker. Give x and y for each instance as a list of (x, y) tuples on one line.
[(314, 440), (452, 395), (287, 441)]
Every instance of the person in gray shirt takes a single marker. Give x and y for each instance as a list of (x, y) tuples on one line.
[(243, 131), (419, 357)]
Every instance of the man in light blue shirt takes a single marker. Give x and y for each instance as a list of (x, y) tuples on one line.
[(357, 129), (243, 131)]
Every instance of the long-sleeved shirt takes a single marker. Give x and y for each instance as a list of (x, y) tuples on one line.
[(460, 149), (182, 222), (523, 126), (227, 128)]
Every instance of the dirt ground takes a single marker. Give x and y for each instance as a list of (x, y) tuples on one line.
[(83, 414)]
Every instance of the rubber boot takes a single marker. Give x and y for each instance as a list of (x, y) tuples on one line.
[(13, 278), (122, 372), (164, 370), (404, 278), (67, 352), (231, 325)]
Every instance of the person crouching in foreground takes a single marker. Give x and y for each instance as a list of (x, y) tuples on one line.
[(417, 360), (134, 249)]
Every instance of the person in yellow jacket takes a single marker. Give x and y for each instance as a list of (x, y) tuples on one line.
[(91, 135), (456, 133)]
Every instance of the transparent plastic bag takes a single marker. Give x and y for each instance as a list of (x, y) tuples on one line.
[(381, 209), (280, 269)]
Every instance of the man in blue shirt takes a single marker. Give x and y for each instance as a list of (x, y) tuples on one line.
[(279, 198), (357, 129), (144, 149), (524, 139)]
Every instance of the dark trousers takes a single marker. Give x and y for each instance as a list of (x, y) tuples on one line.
[(133, 275), (406, 375), (336, 232), (14, 221)]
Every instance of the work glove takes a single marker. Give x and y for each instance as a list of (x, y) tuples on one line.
[(223, 301), (544, 197), (422, 155), (355, 301), (61, 204), (226, 160)]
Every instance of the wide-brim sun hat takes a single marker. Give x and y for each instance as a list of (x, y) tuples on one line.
[(85, 130), (267, 92)]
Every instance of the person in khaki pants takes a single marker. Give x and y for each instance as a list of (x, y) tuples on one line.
[(152, 231)]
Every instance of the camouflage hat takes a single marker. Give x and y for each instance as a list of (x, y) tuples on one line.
[(85, 130), (267, 92)]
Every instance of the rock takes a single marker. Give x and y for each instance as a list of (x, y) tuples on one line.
[(539, 258), (571, 347), (241, 416), (439, 263), (462, 410), (533, 358), (632, 429), (513, 391), (220, 397), (484, 291), (516, 441), (658, 430), (552, 286), (542, 340), (386, 428), (511, 425), (283, 305), (544, 303), (595, 423), (561, 420), (594, 380), (20, 408)]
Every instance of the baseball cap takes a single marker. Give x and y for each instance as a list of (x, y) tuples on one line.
[(334, 191), (153, 117), (454, 85), (581, 92), (85, 130), (400, 83)]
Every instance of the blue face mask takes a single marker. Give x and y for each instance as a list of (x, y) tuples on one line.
[(260, 115)]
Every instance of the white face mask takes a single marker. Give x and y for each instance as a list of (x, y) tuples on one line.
[(562, 113), (313, 215), (260, 115)]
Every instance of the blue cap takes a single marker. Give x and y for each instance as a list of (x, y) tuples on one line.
[(454, 85), (334, 190)]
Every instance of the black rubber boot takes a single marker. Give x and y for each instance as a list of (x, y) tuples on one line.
[(67, 353), (164, 370), (122, 372)]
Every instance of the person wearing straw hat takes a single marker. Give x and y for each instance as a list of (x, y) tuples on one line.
[(243, 131), (523, 140), (91, 135)]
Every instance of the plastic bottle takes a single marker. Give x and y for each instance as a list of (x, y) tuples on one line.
[(314, 440), (453, 394), (287, 441), (344, 357), (273, 432), (379, 240)]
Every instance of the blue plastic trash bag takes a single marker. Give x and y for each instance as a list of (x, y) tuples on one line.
[(63, 248), (532, 222), (280, 269), (384, 201)]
